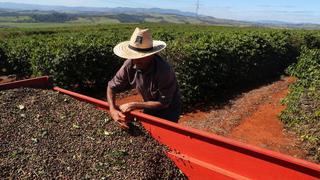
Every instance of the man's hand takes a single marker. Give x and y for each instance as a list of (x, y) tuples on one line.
[(128, 107), (119, 117)]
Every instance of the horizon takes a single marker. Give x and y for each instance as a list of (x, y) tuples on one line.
[(272, 10)]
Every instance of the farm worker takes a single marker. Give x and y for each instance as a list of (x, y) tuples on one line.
[(149, 74)]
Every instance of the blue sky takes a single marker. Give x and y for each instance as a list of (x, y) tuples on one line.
[(295, 11)]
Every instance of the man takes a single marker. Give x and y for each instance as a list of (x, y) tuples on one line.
[(149, 74)]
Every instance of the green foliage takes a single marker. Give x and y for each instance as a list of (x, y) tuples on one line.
[(303, 102), (208, 63), (312, 40), (207, 59), (3, 60), (52, 17), (17, 55), (77, 60), (308, 68)]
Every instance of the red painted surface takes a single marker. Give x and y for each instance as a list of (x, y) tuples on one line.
[(39, 82), (202, 155), (229, 155)]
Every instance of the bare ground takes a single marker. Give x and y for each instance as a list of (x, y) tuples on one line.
[(252, 118)]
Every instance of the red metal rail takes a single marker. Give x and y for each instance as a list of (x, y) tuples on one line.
[(39, 82), (202, 155)]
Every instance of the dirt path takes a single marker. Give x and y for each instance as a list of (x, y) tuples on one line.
[(263, 128), (251, 118)]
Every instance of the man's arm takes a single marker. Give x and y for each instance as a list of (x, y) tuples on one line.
[(117, 84), (111, 99), (117, 115), (142, 105)]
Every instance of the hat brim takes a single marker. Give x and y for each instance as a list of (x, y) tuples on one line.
[(122, 50)]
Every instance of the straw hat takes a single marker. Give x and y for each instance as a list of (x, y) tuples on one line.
[(140, 45)]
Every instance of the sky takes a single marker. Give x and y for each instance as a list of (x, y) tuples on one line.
[(294, 11)]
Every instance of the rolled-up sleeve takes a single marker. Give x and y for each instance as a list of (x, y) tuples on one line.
[(120, 81), (167, 86)]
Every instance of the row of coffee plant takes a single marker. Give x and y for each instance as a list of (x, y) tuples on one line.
[(206, 59), (303, 103)]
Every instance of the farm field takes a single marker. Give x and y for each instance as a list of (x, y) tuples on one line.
[(256, 85)]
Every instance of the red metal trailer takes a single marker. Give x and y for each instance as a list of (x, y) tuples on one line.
[(202, 155)]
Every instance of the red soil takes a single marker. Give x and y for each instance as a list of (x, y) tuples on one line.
[(195, 115), (134, 97), (263, 128), (251, 118)]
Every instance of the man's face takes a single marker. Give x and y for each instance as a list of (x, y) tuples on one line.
[(142, 63)]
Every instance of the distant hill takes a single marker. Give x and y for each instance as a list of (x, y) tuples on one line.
[(27, 13), (20, 6)]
